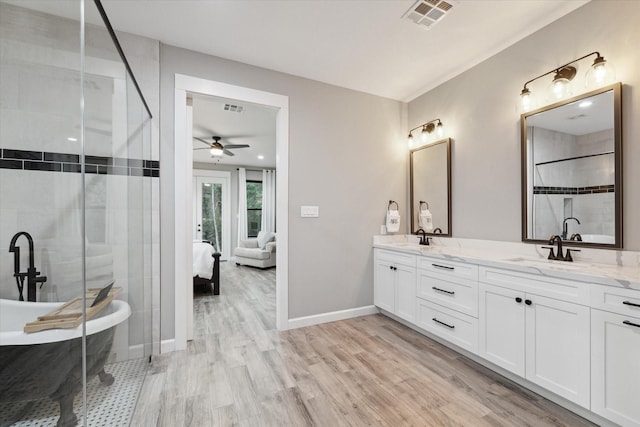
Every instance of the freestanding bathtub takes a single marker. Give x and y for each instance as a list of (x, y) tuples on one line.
[(49, 363)]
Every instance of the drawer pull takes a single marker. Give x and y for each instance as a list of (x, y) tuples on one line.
[(630, 303), (443, 290), (451, 326), (626, 322), (445, 267)]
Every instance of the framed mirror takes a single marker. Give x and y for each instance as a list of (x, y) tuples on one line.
[(430, 187), (572, 170)]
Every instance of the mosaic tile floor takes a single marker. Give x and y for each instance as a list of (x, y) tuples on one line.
[(110, 406)]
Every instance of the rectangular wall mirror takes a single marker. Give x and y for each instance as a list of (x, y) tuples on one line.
[(430, 183), (572, 170)]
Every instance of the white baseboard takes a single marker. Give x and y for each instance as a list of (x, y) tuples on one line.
[(300, 322), (167, 346)]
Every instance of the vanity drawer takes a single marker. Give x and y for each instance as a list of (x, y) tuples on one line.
[(395, 257), (616, 300), (452, 292), (457, 328), (451, 268), (538, 284)]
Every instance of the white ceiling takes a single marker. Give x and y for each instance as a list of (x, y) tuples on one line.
[(255, 125), (363, 45), (357, 44)]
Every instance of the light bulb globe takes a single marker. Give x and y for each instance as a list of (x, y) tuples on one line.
[(601, 73)]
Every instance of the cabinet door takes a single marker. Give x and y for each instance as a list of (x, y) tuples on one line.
[(558, 347), (615, 367), (384, 286), (502, 327), (406, 293)]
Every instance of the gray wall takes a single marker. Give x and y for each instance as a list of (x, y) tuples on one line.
[(346, 154), (479, 108)]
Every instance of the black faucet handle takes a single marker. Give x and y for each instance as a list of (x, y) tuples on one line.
[(568, 256), (552, 255)]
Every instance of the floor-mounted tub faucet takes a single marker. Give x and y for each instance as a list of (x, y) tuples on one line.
[(32, 275)]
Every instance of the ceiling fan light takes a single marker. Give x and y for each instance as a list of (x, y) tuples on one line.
[(216, 151)]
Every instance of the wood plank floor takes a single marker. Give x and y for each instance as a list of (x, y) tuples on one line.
[(367, 371)]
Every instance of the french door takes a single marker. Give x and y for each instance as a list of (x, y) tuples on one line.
[(212, 213)]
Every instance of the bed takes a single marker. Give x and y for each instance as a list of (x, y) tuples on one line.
[(206, 267)]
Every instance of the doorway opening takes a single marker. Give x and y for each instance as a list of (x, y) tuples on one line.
[(184, 86)]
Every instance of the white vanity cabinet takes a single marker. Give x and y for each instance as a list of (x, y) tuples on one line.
[(448, 300), (615, 357), (539, 328), (394, 283)]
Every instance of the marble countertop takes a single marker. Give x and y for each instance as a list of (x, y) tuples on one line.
[(526, 259)]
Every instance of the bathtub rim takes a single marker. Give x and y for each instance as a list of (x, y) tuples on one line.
[(120, 311)]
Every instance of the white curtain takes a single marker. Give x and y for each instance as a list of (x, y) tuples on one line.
[(268, 201), (242, 205)]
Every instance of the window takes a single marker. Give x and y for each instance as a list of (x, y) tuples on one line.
[(254, 207)]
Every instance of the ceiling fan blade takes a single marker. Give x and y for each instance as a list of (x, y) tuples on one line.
[(227, 152), (237, 146), (207, 148), (202, 140)]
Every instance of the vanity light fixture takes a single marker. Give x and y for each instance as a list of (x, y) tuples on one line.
[(600, 73), (72, 139), (427, 129)]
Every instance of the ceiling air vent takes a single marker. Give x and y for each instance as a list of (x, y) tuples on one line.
[(233, 108), (427, 13)]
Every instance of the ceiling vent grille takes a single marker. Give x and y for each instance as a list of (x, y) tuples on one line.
[(233, 108), (427, 13)]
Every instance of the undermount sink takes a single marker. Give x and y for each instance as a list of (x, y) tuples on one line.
[(547, 263)]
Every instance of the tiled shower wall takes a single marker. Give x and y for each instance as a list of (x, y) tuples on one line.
[(585, 184), (40, 183)]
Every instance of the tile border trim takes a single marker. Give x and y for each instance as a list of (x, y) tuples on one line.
[(64, 162)]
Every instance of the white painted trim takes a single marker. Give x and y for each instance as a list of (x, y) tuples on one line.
[(183, 251), (183, 191), (167, 346), (300, 322)]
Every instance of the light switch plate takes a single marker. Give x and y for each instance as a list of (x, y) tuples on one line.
[(309, 211)]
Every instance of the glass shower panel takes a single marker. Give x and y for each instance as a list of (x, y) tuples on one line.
[(118, 190), (40, 209)]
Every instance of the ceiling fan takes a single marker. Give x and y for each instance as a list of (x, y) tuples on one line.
[(217, 149)]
